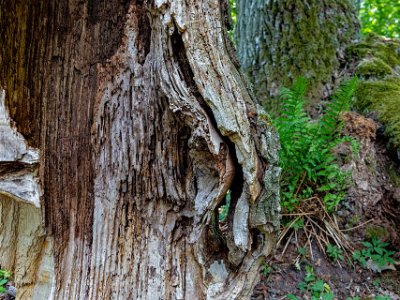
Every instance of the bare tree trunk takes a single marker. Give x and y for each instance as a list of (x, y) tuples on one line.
[(143, 124), (279, 41)]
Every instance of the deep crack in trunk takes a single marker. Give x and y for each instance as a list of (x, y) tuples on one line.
[(141, 140)]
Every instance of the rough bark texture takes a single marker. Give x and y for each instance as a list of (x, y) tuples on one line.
[(24, 248), (145, 124), (279, 41)]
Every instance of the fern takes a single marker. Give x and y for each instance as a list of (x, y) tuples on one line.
[(340, 103), (306, 157)]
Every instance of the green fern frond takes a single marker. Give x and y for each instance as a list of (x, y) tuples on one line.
[(306, 156), (341, 101)]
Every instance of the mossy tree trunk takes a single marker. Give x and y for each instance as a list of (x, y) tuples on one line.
[(278, 41), (143, 123)]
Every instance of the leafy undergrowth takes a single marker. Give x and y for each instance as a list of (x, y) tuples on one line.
[(303, 271), (4, 278), (346, 249), (312, 183), (306, 158), (380, 16), (307, 273)]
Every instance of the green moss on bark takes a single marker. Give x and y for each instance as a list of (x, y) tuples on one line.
[(382, 96), (278, 41), (379, 90), (388, 50), (373, 66)]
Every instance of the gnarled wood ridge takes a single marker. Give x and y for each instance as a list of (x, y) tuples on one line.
[(24, 247), (143, 123)]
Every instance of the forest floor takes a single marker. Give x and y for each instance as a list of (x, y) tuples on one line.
[(370, 212)]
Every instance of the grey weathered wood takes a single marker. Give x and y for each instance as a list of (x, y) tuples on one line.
[(24, 247), (140, 144)]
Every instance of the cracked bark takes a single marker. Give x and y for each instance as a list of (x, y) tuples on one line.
[(144, 123)]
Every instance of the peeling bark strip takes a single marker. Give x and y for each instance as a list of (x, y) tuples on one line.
[(24, 248), (18, 162), (146, 125)]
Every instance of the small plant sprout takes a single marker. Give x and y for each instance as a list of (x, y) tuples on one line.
[(374, 253), (302, 251), (298, 224), (266, 269), (317, 288), (334, 252), (4, 278), (376, 282)]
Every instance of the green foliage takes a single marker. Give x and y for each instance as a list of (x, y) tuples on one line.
[(224, 209), (361, 257), (4, 278), (266, 269), (318, 288), (297, 224), (233, 11), (375, 251), (380, 16), (385, 297), (309, 277), (232, 5), (302, 251), (334, 252), (306, 158), (376, 282)]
